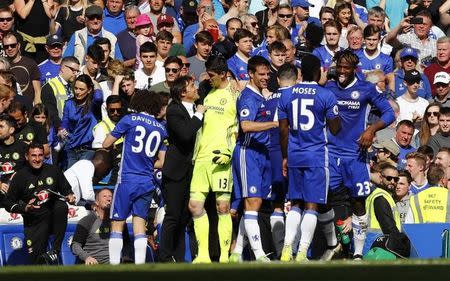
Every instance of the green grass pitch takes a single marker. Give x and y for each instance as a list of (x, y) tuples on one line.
[(424, 270)]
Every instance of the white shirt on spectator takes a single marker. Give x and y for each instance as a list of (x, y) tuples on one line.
[(80, 177), (407, 107), (158, 75)]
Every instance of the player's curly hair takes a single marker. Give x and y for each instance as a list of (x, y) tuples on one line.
[(348, 56), (146, 101)]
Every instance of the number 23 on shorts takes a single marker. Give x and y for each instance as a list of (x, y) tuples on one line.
[(363, 188)]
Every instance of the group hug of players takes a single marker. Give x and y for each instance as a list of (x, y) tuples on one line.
[(311, 138)]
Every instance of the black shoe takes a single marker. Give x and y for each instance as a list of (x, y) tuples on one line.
[(50, 258)]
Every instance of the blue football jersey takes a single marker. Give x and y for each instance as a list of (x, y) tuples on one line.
[(354, 103), (261, 51), (307, 106), (325, 55), (239, 67), (380, 61), (250, 107), (143, 138), (271, 106), (48, 70)]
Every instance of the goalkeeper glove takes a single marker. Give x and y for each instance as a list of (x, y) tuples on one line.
[(222, 158)]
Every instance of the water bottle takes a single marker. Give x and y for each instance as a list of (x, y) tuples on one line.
[(344, 237)]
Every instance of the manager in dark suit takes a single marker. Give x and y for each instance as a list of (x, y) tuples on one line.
[(183, 122)]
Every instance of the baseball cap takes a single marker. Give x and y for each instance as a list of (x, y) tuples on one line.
[(93, 10), (164, 19), (301, 3), (189, 6), (54, 39), (441, 77), (389, 145), (412, 76), (409, 52)]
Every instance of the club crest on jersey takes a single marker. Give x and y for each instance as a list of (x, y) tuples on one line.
[(355, 95), (223, 101), (378, 66), (49, 181), (335, 110), (15, 156), (30, 136), (244, 112), (253, 189)]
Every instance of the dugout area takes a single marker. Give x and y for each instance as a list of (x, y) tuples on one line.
[(423, 270)]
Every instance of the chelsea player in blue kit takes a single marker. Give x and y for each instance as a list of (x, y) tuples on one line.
[(304, 112), (348, 149), (250, 161), (143, 139)]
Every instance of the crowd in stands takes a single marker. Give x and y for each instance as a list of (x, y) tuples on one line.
[(213, 75)]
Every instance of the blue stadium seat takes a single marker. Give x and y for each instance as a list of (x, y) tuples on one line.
[(12, 246)]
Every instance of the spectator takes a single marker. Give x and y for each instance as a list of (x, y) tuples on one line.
[(236, 9), (150, 74), (6, 97), (203, 45), (442, 85), (127, 86), (158, 9), (94, 58), (402, 194), (144, 33), (412, 107), (424, 210), (268, 16), (164, 42), (285, 17), (172, 66), (383, 217), (403, 137), (114, 16), (58, 89), (326, 53), (441, 138), (416, 166), (183, 122), (302, 18), (43, 212), (40, 115), (69, 18), (82, 39), (25, 69), (126, 39), (326, 14), (86, 173), (372, 58), (79, 120), (442, 63), (355, 39), (419, 39), (273, 33), (408, 62), (237, 64), (344, 16), (6, 26), (185, 70), (250, 23), (33, 24), (90, 243), (443, 159), (290, 52), (430, 124), (387, 152), (50, 67), (277, 54), (191, 30)]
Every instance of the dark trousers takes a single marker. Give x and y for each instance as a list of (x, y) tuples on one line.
[(38, 229), (176, 196)]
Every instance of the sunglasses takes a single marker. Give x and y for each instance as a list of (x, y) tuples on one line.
[(55, 46), (98, 17), (413, 59), (286, 16), (8, 19), (254, 24), (12, 46), (113, 110), (434, 113), (390, 178), (174, 70), (187, 65)]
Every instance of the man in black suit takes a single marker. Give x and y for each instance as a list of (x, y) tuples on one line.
[(183, 122)]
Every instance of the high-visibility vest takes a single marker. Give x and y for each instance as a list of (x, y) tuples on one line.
[(60, 93), (372, 222), (431, 205), (108, 126)]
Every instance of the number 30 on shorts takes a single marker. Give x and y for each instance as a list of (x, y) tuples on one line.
[(363, 188)]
